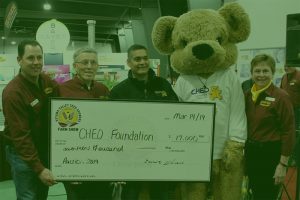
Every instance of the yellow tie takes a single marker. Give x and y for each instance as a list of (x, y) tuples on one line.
[(256, 93)]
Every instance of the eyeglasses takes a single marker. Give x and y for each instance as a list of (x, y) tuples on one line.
[(87, 62)]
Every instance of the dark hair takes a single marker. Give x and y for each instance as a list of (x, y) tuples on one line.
[(263, 58), (22, 45), (135, 47)]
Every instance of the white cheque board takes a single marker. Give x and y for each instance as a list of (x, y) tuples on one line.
[(122, 140)]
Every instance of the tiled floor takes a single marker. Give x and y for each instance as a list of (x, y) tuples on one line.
[(7, 191), (57, 192)]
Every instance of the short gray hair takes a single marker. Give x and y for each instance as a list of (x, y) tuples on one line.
[(83, 50)]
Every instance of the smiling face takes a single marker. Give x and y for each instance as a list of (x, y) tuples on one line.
[(262, 75), (138, 62), (86, 65), (31, 62)]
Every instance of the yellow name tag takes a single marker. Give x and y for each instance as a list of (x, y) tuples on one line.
[(265, 103), (48, 90), (162, 93)]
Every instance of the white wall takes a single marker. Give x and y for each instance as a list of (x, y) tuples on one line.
[(268, 22), (12, 51)]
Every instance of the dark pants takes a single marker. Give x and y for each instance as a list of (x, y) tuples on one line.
[(88, 190), (157, 190), (296, 152), (261, 162), (297, 118)]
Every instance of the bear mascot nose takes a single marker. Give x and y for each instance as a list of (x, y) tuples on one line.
[(202, 51)]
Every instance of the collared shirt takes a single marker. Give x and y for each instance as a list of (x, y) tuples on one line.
[(76, 88), (225, 90), (25, 108), (271, 118), (291, 84)]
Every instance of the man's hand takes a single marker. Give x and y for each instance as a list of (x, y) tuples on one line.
[(47, 177), (280, 174)]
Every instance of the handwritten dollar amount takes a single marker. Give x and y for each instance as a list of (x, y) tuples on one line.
[(187, 138)]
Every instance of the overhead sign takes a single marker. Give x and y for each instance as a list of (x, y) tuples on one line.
[(121, 140), (54, 36)]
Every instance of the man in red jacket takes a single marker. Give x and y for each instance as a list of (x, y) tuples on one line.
[(25, 105)]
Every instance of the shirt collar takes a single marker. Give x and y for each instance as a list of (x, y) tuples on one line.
[(82, 83)]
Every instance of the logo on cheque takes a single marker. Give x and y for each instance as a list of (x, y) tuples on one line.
[(68, 115)]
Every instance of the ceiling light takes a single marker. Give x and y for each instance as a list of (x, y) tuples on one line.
[(13, 42), (3, 38), (47, 6)]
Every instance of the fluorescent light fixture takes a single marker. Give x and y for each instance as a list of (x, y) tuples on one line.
[(13, 42), (3, 38)]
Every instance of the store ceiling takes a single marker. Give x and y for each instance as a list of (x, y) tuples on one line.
[(110, 15)]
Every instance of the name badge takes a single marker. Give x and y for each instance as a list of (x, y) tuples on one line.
[(36, 101), (270, 99), (265, 103)]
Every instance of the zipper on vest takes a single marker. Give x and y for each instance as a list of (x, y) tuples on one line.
[(145, 93)]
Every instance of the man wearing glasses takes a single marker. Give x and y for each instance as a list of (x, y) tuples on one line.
[(83, 86)]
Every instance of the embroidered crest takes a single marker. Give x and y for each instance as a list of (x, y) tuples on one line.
[(162, 93), (48, 90), (215, 93)]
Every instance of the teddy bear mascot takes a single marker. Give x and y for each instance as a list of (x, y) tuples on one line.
[(201, 45)]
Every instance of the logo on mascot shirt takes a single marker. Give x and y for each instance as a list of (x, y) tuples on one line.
[(215, 93)]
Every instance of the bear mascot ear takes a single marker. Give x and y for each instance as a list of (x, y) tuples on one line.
[(237, 21), (162, 34)]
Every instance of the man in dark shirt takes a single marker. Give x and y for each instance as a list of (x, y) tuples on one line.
[(25, 110), (290, 82), (142, 84)]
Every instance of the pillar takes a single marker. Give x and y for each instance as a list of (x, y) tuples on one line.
[(91, 33)]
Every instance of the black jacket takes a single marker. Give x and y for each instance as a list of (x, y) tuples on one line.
[(156, 88)]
